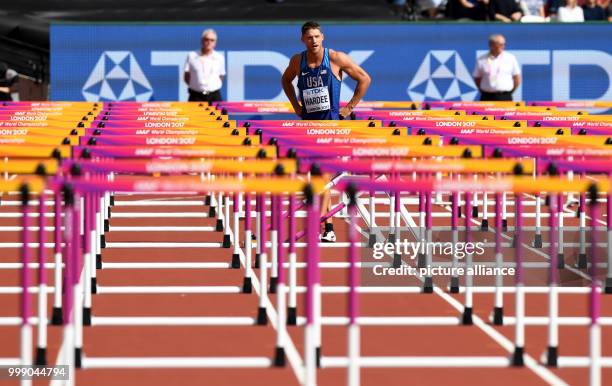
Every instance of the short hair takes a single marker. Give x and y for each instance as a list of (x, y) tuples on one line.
[(208, 31), (310, 25), (493, 37)]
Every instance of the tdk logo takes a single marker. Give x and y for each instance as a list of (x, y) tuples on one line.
[(442, 76), (117, 77)]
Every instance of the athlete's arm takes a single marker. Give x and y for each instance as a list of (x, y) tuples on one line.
[(352, 69), (287, 80)]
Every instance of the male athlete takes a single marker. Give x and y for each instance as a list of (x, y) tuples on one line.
[(319, 71)]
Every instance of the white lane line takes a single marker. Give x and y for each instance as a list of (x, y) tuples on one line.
[(295, 360), (534, 250), (531, 363)]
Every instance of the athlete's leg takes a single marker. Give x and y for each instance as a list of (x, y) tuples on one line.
[(328, 234)]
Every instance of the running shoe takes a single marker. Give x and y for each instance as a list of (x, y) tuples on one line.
[(328, 237)]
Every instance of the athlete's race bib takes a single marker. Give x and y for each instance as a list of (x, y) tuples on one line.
[(316, 99)]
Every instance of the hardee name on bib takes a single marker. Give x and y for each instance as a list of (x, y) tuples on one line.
[(316, 99)]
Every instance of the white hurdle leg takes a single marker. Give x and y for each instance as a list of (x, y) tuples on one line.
[(26, 349), (469, 296), (247, 286), (553, 296), (292, 309), (354, 355), (475, 200), (454, 282), (274, 249), (69, 358), (56, 318), (248, 253), (560, 254), (42, 325), (77, 309), (258, 246), (397, 259), (595, 355), (498, 310), (41, 346), (262, 318), (236, 233), (220, 220), (582, 256), (281, 327), (372, 217), (26, 327), (519, 331), (227, 241), (537, 242), (281, 296), (391, 218), (421, 259), (505, 211), (87, 268), (485, 212)]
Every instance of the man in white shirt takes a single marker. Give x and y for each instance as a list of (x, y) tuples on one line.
[(570, 13), (205, 70), (497, 73)]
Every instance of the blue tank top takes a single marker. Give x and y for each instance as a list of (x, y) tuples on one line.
[(319, 90)]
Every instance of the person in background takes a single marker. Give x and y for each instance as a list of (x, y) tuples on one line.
[(506, 11), (552, 8), (592, 11), (570, 13), (605, 4), (429, 8), (205, 70), (8, 80), (533, 10), (468, 9), (398, 7), (497, 73)]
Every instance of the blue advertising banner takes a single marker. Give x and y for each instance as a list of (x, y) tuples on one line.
[(105, 62)]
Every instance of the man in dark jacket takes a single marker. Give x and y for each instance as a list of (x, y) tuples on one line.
[(506, 11), (8, 78)]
